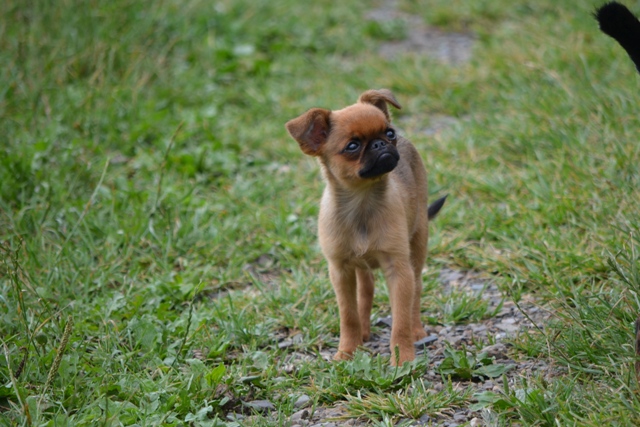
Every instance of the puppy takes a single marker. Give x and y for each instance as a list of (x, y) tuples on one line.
[(373, 214)]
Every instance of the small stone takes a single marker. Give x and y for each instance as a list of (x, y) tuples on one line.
[(384, 321), (299, 416), (334, 412), (447, 275), (474, 422), (459, 417), (507, 327), (301, 401), (455, 339), (479, 328), (507, 309), (285, 343), (119, 159), (235, 417), (260, 405), (326, 355), (424, 341), (264, 260), (499, 351), (424, 419)]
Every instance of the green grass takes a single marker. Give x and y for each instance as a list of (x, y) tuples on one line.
[(149, 192)]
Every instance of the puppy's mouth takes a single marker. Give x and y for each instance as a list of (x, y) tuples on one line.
[(385, 163)]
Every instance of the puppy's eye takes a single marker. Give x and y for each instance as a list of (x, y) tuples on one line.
[(391, 134), (352, 146)]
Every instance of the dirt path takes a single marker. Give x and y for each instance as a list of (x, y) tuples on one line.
[(450, 47)]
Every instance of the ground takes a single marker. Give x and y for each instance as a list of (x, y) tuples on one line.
[(507, 320)]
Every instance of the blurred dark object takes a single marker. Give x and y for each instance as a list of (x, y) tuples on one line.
[(618, 22)]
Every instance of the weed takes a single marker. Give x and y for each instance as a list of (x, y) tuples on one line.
[(365, 373), (461, 307), (466, 365)]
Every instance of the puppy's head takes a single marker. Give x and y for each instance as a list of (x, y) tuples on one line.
[(356, 144)]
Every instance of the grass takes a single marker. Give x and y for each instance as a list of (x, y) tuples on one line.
[(152, 206)]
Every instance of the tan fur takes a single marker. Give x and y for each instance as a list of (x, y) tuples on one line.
[(368, 223)]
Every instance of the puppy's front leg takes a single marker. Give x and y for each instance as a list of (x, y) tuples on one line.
[(401, 283), (343, 279), (365, 300)]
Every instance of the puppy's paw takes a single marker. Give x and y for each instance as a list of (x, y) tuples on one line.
[(401, 355), (419, 333), (350, 340), (343, 355)]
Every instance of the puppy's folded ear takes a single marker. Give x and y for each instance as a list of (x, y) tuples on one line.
[(380, 98), (310, 130)]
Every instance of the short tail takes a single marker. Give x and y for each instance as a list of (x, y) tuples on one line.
[(618, 22), (435, 207)]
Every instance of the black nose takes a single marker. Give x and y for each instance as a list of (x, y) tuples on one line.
[(378, 144)]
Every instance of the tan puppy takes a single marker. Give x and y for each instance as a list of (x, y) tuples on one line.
[(373, 214)]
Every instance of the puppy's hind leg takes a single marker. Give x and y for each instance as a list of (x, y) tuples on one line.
[(365, 300)]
